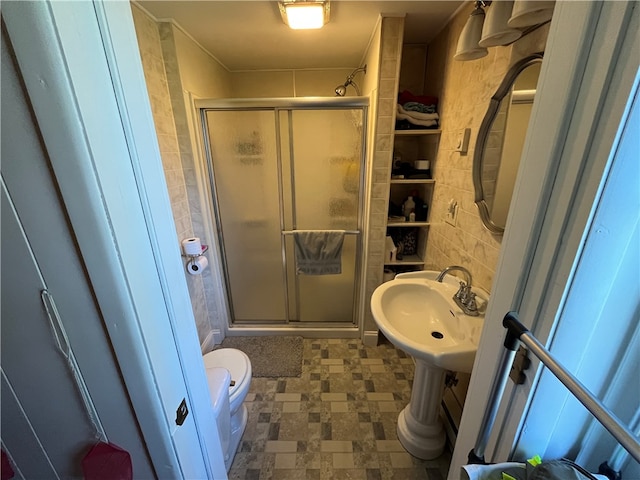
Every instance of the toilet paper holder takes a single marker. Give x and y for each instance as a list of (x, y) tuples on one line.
[(195, 255)]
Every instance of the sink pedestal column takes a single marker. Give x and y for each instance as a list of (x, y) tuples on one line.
[(420, 430)]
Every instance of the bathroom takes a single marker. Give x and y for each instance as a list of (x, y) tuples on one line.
[(191, 73), (132, 262), (424, 69)]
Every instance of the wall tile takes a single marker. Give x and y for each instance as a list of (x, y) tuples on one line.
[(383, 143), (380, 175), (390, 42), (387, 90), (389, 67), (387, 104), (392, 28), (385, 124)]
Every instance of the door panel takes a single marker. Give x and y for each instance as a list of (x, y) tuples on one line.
[(42, 404), (34, 368), (243, 153), (326, 150), (330, 298), (32, 455)]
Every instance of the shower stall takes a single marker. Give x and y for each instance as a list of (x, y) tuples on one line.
[(277, 166)]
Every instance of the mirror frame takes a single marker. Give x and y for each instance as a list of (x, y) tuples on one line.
[(483, 135)]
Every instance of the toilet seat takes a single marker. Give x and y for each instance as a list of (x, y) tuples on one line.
[(236, 362)]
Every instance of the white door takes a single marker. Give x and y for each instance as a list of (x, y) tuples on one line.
[(95, 122), (597, 336), (45, 427)]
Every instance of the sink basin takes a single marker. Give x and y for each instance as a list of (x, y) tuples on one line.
[(419, 316)]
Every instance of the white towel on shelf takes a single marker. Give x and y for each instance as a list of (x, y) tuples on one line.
[(414, 121), (318, 252)]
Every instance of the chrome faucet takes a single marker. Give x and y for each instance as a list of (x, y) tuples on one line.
[(463, 270), (464, 297)]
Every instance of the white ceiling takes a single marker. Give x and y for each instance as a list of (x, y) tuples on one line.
[(250, 34)]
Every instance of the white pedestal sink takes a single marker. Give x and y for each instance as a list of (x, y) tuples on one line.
[(418, 315)]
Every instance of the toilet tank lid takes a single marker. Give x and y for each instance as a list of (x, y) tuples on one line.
[(218, 380)]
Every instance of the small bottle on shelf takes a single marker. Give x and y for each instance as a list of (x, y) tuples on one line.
[(408, 208)]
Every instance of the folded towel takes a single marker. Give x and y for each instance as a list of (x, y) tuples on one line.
[(419, 107), (422, 123), (418, 115), (318, 252)]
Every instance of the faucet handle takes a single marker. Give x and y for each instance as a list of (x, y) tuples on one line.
[(471, 302), (461, 291), (465, 291)]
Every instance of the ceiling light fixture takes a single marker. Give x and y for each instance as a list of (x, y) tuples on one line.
[(495, 31), (301, 15), (506, 22), (527, 13), (468, 48)]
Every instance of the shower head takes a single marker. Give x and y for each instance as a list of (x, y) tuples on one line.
[(341, 90)]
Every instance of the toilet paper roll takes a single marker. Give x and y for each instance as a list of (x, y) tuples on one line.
[(196, 265), (192, 246)]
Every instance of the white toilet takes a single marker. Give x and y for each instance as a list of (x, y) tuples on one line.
[(238, 365)]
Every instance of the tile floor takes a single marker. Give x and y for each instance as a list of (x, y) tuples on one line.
[(337, 421)]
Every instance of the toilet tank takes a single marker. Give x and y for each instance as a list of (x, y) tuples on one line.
[(218, 380)]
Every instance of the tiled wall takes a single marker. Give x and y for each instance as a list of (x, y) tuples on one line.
[(464, 89), (190, 69), (174, 149), (392, 31)]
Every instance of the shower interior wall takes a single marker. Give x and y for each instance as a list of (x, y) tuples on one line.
[(177, 71)]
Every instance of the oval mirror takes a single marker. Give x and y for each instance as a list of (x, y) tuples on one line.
[(500, 141)]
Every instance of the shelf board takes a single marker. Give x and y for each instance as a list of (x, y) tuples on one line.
[(417, 131), (408, 224), (407, 260), (412, 180)]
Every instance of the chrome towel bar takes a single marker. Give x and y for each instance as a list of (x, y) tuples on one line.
[(516, 333), (346, 232)]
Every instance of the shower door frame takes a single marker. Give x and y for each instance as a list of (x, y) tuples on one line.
[(288, 105)]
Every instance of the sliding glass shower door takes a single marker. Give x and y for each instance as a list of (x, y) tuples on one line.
[(276, 170), (243, 147)]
